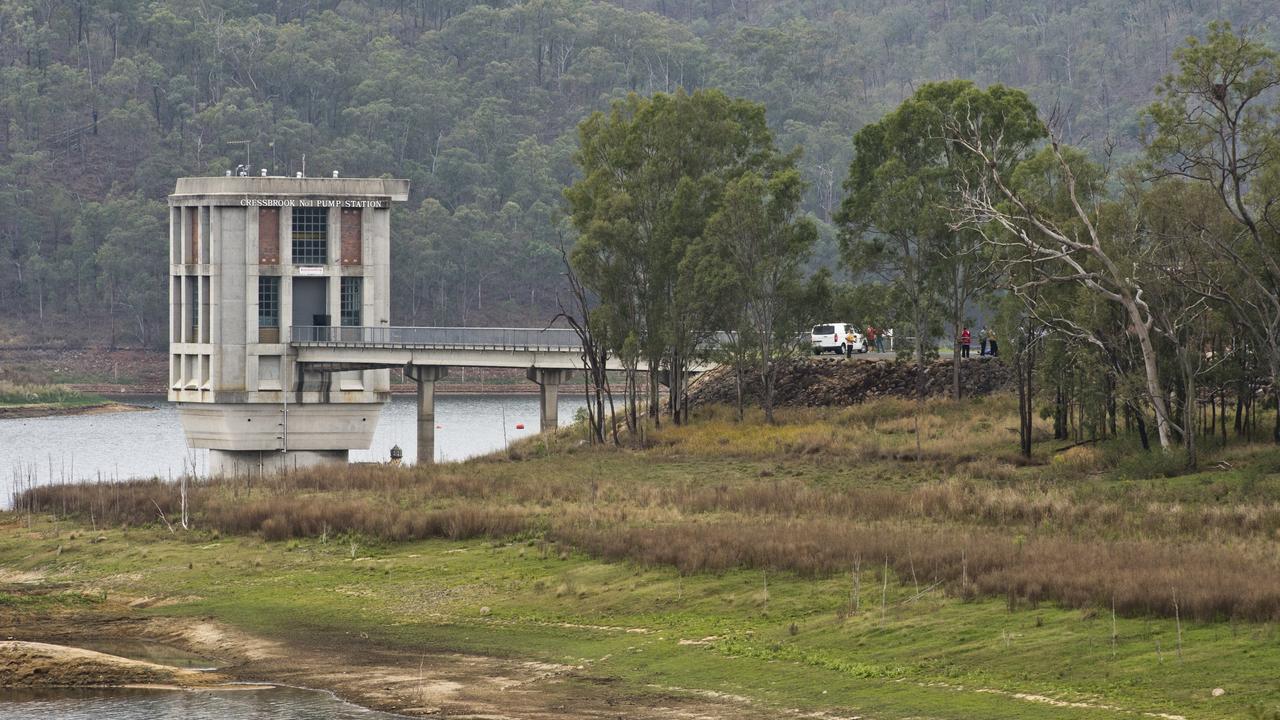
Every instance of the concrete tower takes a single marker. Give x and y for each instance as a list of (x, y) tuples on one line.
[(255, 261)]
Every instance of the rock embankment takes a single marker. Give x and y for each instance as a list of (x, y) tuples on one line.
[(816, 382), (38, 665)]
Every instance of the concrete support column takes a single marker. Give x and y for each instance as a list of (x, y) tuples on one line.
[(549, 390), (426, 376)]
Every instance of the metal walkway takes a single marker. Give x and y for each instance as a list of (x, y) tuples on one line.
[(439, 338), (353, 348), (547, 356)]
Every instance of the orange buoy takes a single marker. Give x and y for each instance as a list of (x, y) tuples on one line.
[(519, 426)]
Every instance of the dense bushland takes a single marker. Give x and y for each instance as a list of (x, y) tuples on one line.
[(102, 105)]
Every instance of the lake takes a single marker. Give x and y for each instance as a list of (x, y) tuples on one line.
[(150, 443)]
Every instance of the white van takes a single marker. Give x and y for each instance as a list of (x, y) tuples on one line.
[(838, 338)]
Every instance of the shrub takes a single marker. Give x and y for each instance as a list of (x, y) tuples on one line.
[(1150, 465)]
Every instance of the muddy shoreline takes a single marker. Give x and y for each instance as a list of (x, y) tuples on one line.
[(41, 651), (12, 412), (35, 665)]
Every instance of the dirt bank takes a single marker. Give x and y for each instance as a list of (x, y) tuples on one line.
[(9, 412), (42, 665), (417, 681), (816, 382)]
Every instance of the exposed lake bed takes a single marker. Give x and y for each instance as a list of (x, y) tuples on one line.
[(355, 676), (40, 679), (269, 703)]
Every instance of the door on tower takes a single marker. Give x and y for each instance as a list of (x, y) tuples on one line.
[(311, 307)]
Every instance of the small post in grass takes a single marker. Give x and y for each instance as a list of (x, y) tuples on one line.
[(1177, 618), (884, 590), (1113, 627), (855, 601)]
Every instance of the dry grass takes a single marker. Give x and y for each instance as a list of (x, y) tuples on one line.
[(1141, 577), (24, 394), (950, 432), (749, 495)]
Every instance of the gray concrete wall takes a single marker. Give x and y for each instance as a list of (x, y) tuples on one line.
[(226, 379), (396, 190), (253, 463), (258, 426)]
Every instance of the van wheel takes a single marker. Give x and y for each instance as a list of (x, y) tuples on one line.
[(817, 351)]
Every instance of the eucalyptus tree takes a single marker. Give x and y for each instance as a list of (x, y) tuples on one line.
[(1079, 243), (764, 242), (892, 224), (1216, 122), (654, 171), (905, 180)]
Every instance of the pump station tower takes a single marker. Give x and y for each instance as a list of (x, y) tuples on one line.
[(250, 258)]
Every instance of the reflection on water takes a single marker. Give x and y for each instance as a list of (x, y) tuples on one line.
[(145, 444), (272, 704)]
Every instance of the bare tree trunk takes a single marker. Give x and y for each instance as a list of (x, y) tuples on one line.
[(737, 377), (957, 311), (1275, 393), (1142, 331), (767, 375), (1189, 414)]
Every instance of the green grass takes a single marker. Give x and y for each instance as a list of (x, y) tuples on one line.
[(782, 640), (933, 656)]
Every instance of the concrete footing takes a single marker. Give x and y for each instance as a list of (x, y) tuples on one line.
[(252, 463), (549, 382), (426, 376)]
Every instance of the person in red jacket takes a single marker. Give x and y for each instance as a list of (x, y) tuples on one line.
[(965, 338)]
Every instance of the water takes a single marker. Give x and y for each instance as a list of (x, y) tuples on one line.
[(277, 703), (150, 443)]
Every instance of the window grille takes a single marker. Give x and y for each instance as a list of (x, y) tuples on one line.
[(268, 301), (350, 302), (310, 236)]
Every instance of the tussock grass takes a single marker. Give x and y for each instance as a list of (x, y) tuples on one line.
[(812, 495), (1139, 577), (885, 430), (23, 394)]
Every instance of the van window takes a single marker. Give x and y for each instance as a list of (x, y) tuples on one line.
[(824, 329)]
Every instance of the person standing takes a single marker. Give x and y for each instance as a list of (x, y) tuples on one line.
[(880, 340), (983, 334), (965, 338), (994, 349), (871, 338)]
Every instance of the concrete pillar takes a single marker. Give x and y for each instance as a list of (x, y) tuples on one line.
[(426, 377), (549, 391)]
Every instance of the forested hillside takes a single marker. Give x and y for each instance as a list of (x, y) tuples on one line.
[(104, 104)]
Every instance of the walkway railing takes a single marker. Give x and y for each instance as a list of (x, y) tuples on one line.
[(557, 339)]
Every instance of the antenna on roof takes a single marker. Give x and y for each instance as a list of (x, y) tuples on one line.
[(245, 143)]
